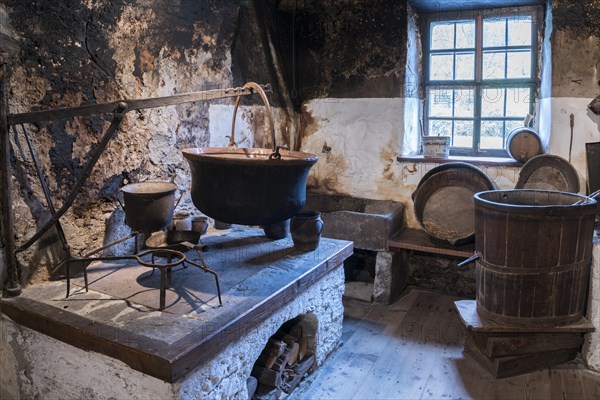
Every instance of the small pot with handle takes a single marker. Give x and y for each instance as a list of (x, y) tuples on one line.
[(306, 229), (148, 206)]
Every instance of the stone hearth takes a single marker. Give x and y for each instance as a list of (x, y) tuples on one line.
[(100, 345)]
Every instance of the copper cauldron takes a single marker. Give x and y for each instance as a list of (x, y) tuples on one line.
[(249, 186)]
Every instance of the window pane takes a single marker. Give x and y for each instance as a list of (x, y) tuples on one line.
[(492, 135), (507, 54), (464, 103), (440, 128), (465, 66), (440, 102), (493, 64), (494, 32), (465, 35), (463, 134), (519, 64), (442, 35), (441, 67), (517, 102), (519, 31), (492, 102)]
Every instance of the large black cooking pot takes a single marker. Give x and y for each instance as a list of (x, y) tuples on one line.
[(245, 186)]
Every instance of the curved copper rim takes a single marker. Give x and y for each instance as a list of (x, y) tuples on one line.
[(254, 154)]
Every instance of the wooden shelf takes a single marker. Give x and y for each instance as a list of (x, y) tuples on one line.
[(417, 240)]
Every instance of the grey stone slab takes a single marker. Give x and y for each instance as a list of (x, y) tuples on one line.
[(370, 224)]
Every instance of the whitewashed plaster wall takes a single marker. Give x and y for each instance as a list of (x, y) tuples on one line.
[(365, 137), (586, 129)]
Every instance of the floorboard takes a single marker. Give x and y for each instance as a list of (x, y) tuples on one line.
[(413, 349)]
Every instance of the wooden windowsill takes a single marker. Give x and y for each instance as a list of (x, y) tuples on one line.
[(493, 161)]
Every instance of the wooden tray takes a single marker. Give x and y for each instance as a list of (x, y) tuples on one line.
[(548, 172), (443, 201)]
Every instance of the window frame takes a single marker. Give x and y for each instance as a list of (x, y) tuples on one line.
[(478, 84)]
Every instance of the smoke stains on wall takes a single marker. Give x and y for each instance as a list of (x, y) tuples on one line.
[(74, 52), (340, 48), (581, 16), (66, 44), (576, 48), (255, 52), (91, 52)]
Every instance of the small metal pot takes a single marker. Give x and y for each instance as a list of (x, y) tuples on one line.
[(149, 206), (306, 229)]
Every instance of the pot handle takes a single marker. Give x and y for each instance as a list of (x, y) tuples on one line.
[(258, 89), (321, 227), (120, 192), (587, 199), (469, 260), (180, 197)]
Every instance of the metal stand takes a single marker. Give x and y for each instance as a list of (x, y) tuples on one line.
[(166, 269)]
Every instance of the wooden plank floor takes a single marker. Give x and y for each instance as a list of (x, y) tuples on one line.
[(413, 349)]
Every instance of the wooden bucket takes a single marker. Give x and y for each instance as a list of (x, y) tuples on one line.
[(436, 146), (535, 251)]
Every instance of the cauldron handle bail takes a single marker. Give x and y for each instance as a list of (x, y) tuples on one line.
[(256, 87)]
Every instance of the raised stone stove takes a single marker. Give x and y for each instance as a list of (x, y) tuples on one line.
[(108, 344)]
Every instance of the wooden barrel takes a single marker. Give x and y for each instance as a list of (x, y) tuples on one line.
[(535, 251), (523, 143)]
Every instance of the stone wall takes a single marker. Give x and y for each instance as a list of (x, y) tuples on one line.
[(575, 82), (358, 137), (77, 52)]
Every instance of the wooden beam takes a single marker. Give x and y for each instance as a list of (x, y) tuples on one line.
[(9, 269)]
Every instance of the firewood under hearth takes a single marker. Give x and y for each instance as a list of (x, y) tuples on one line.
[(283, 363)]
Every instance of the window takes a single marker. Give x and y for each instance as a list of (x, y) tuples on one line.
[(480, 77)]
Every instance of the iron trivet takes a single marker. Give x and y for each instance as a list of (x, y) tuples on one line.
[(172, 254)]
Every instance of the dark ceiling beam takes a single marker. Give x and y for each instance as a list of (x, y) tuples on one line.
[(432, 6)]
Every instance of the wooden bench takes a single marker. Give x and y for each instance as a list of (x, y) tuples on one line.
[(417, 240)]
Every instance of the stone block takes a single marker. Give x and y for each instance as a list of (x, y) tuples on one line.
[(391, 277), (368, 223)]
